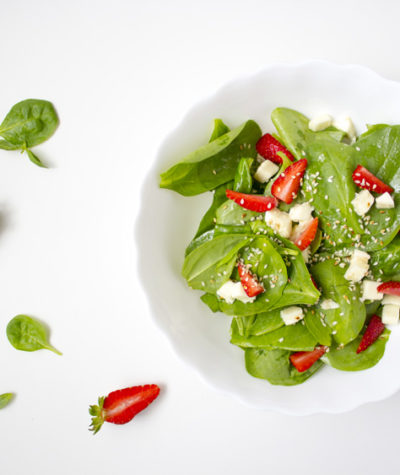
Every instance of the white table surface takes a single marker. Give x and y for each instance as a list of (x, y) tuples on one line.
[(121, 75)]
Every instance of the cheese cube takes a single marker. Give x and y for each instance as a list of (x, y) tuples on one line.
[(358, 267), (301, 212), (279, 221), (240, 294), (231, 291), (320, 122), (390, 314), (391, 299), (347, 125), (265, 171), (384, 201), (226, 291), (369, 290), (362, 202), (329, 304), (292, 315)]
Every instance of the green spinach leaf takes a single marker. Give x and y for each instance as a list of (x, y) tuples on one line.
[(219, 129), (243, 179), (5, 399), (214, 163), (275, 366), (28, 334)]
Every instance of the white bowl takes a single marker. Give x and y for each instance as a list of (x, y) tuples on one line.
[(168, 221)]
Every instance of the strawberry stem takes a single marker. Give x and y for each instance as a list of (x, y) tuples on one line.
[(97, 416)]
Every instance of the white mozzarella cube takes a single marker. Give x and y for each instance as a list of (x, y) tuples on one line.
[(390, 314), (227, 291), (329, 304), (279, 221), (391, 299), (358, 267), (362, 202), (240, 294), (301, 212), (231, 291), (320, 122), (292, 315), (370, 290), (265, 171), (347, 125), (306, 255), (384, 201)]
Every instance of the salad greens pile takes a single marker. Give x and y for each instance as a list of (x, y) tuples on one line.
[(259, 275)]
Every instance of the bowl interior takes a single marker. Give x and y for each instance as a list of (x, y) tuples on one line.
[(168, 221)]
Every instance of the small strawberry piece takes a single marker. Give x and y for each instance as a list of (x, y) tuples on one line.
[(308, 235), (257, 203), (303, 360), (313, 281), (374, 329), (249, 282), (268, 147), (363, 178), (286, 186), (390, 288), (121, 406)]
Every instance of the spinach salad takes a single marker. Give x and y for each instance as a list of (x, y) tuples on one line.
[(300, 244)]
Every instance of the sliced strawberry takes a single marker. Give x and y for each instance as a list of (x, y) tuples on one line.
[(286, 186), (313, 281), (391, 288), (257, 203), (268, 147), (249, 282), (303, 360), (121, 406), (308, 235), (374, 329), (363, 178)]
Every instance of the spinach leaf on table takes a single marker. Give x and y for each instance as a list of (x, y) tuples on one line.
[(214, 163), (259, 324), (347, 359), (28, 123), (5, 399), (386, 261), (275, 367), (347, 321), (28, 334)]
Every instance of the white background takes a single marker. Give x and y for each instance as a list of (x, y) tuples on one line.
[(121, 75)]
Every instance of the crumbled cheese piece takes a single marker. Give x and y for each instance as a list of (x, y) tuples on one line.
[(358, 267), (370, 290), (265, 171), (292, 315), (329, 304), (320, 122), (306, 255), (301, 212), (362, 202), (298, 230), (384, 201), (390, 314), (231, 291), (347, 125), (279, 221), (391, 299)]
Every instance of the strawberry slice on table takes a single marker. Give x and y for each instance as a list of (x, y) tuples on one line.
[(308, 235), (390, 288), (249, 282), (257, 203), (303, 360), (363, 178), (286, 186), (121, 406), (374, 329), (268, 147)]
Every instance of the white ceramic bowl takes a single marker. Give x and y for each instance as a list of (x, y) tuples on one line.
[(168, 221)]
